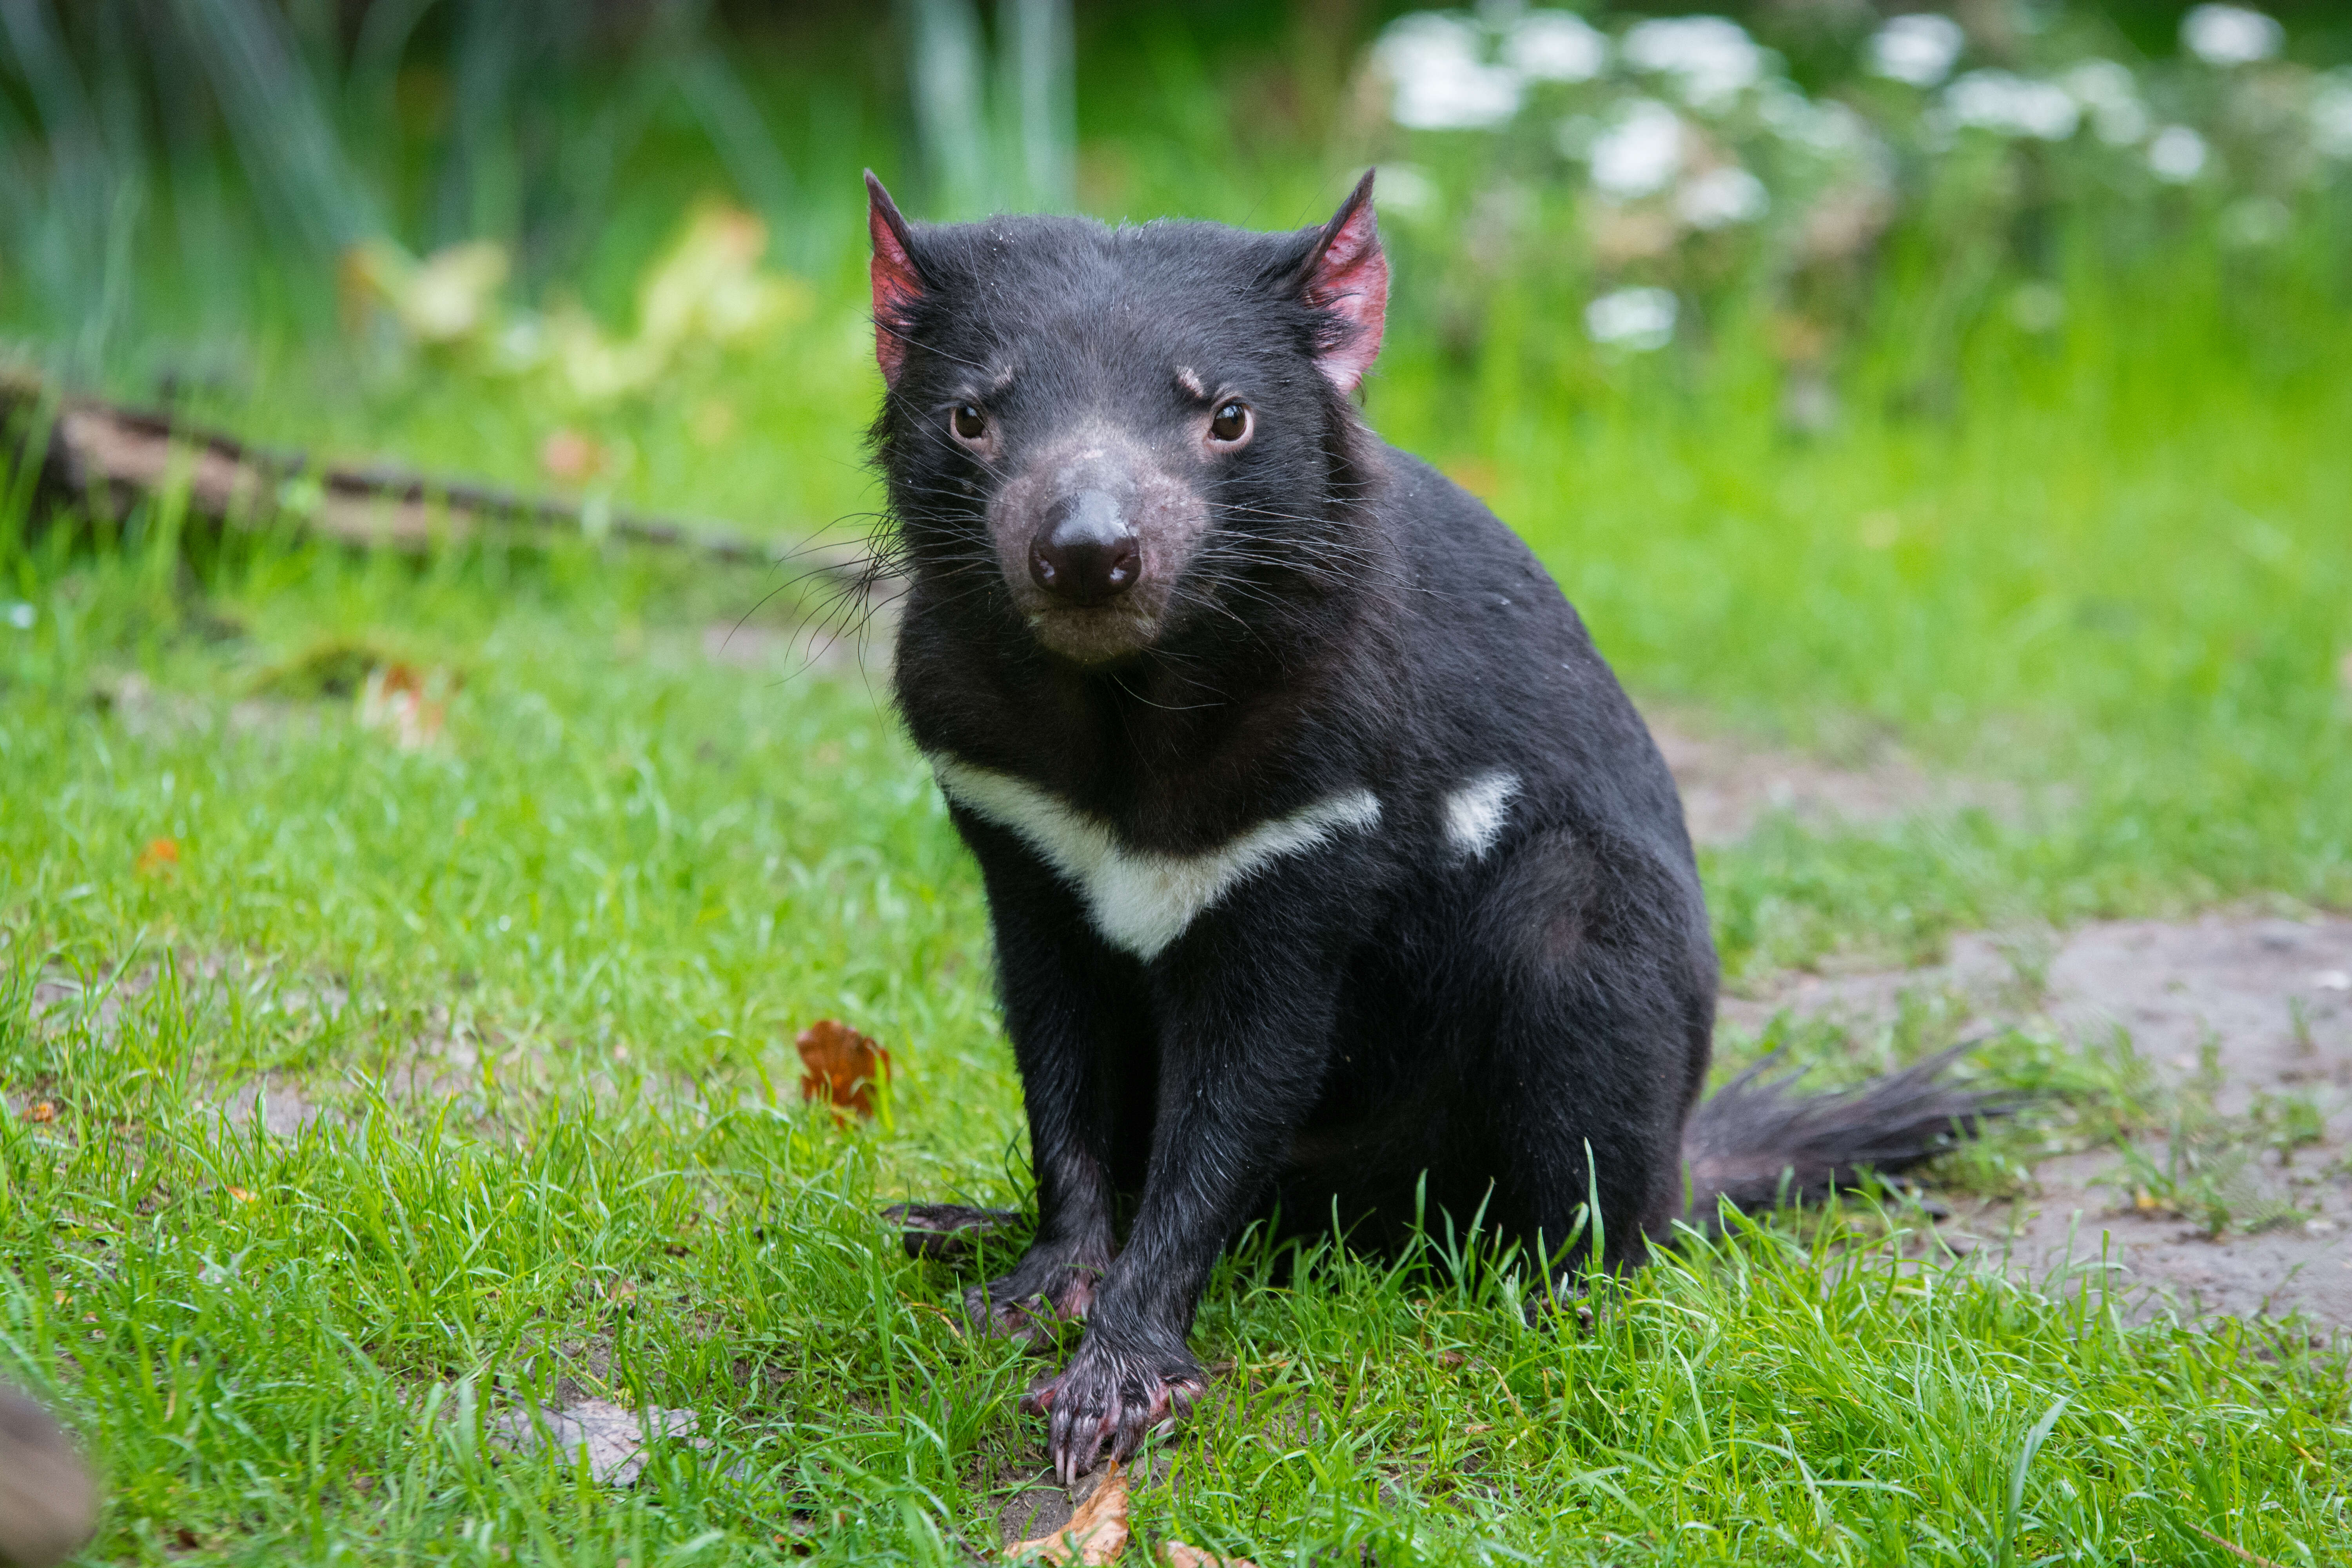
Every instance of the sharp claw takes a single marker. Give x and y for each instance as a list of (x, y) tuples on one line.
[(1106, 1411)]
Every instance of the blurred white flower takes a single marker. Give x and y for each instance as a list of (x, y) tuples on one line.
[(2012, 105), (1636, 319), (2230, 35), (1555, 45), (1441, 83), (1406, 189), (1825, 127), (19, 614), (2331, 115), (1420, 39), (1721, 197), (2111, 95), (522, 344), (2178, 154), (1920, 48), (1641, 153), (1712, 57)]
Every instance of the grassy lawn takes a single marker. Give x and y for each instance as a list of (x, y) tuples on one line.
[(520, 1002), (525, 997)]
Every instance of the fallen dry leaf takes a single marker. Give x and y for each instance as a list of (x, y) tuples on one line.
[(842, 1065), (1176, 1554), (41, 1111), (406, 703), (1095, 1535), (160, 856), (240, 1194)]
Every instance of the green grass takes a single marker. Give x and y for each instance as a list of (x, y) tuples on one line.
[(2112, 573), (543, 979)]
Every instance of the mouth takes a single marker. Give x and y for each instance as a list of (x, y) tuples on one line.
[(1092, 635)]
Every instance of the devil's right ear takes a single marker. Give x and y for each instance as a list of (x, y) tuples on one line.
[(898, 287), (1346, 277)]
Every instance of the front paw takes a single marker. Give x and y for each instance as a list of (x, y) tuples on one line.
[(1026, 1303), (1112, 1399)]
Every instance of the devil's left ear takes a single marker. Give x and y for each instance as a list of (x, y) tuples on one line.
[(898, 287), (1346, 277)]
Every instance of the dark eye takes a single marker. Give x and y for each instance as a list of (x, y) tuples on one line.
[(1231, 423), (969, 423)]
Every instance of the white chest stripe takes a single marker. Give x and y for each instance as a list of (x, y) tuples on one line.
[(1475, 812), (1141, 899)]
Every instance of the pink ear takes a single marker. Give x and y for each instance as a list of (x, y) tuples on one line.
[(1346, 277), (898, 287)]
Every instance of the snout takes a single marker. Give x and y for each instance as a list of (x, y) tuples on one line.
[(1085, 552), (1093, 535)]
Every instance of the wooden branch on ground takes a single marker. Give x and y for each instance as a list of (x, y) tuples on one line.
[(109, 457)]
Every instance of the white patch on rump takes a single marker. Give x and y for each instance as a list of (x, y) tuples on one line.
[(1143, 899), (1475, 812)]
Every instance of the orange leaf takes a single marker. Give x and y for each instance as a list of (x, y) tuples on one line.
[(406, 703), (1176, 1554), (1095, 1535), (842, 1065), (160, 856), (41, 1111)]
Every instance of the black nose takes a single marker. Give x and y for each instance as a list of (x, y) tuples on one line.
[(1086, 553)]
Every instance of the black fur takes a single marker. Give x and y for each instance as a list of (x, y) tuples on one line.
[(1516, 1030)]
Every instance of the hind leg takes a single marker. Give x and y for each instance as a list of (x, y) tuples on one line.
[(1592, 987)]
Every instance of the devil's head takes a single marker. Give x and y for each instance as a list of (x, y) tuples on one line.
[(1119, 438)]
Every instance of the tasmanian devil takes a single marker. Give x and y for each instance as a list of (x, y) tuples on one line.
[(1332, 875)]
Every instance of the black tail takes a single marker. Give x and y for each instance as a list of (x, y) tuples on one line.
[(1757, 1145)]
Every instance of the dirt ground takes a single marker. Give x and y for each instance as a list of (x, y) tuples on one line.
[(2246, 1019), (1730, 783)]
